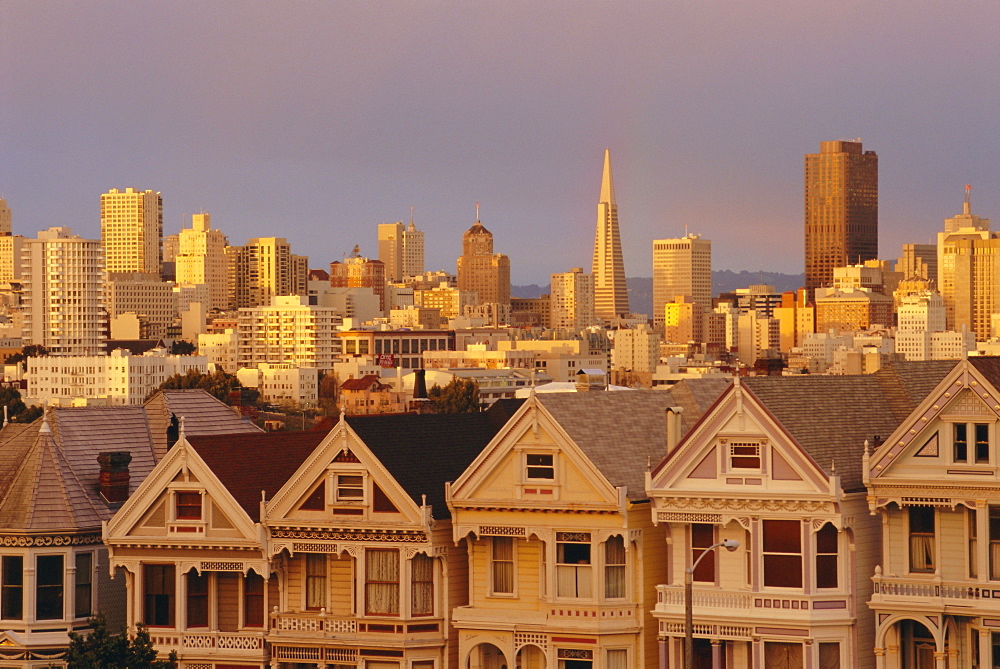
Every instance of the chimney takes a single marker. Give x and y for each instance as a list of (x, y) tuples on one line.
[(114, 475), (673, 428), (419, 384)]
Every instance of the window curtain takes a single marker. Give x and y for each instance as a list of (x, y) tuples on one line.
[(614, 568), (422, 585), (315, 580), (921, 552), (783, 655), (994, 560), (503, 565), (382, 587), (617, 659), (829, 656)]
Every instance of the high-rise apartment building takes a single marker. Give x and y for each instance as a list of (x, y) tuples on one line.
[(262, 270), (6, 225), (681, 268), (289, 331), (969, 271), (10, 246), (132, 230), (841, 209), (481, 270), (357, 271), (63, 277), (610, 289), (201, 259), (401, 249), (571, 299)]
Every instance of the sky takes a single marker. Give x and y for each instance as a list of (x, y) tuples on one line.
[(315, 121)]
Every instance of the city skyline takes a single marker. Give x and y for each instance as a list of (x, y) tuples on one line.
[(263, 122)]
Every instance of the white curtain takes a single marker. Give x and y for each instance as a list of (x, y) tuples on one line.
[(614, 568), (617, 659), (422, 585), (315, 580), (382, 582), (503, 565), (921, 552), (994, 560), (829, 656)]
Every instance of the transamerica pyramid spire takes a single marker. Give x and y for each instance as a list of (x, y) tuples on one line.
[(610, 291)]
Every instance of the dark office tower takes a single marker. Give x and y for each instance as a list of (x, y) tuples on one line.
[(841, 209)]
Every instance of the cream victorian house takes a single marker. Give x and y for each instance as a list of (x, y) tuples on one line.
[(563, 555), (309, 549), (934, 486), (776, 465)]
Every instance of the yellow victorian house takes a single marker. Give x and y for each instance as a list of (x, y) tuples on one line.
[(935, 488), (563, 555), (775, 466)]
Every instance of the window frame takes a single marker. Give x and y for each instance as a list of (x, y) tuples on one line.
[(56, 588), (775, 562), (501, 562), (372, 584), (540, 465), (166, 574), (968, 447), (705, 571), (573, 539), (315, 581), (339, 498), (184, 499), (733, 458), (197, 597), (8, 590), (83, 588), (912, 535), (252, 601), (615, 567), (425, 583), (823, 557)]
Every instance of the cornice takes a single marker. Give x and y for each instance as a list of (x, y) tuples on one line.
[(57, 539)]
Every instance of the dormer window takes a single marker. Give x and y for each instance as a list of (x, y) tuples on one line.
[(350, 488), (188, 505), (971, 443), (540, 466)]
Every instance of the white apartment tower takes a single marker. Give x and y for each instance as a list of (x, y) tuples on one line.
[(571, 300), (201, 259), (681, 267), (63, 278), (401, 249), (132, 230)]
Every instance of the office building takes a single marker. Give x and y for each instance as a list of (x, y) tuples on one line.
[(132, 231), (841, 209), (681, 268), (151, 301), (480, 269), (63, 277), (969, 271), (6, 219), (919, 261), (360, 272), (201, 259), (571, 299), (610, 289), (401, 249)]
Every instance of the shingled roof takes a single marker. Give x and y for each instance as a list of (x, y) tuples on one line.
[(203, 414), (832, 416), (623, 434)]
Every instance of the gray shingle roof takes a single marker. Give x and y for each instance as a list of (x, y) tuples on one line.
[(625, 433), (203, 414)]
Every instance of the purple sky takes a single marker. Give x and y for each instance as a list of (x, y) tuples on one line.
[(317, 120)]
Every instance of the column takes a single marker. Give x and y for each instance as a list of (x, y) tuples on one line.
[(982, 541), (29, 587), (880, 658), (716, 654), (664, 653), (940, 660), (984, 648)]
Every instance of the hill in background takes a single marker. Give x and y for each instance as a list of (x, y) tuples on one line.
[(640, 288)]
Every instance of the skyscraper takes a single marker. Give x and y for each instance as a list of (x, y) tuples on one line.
[(401, 249), (969, 271), (201, 259), (841, 209), (5, 218), (132, 230), (10, 247), (571, 299), (357, 271), (63, 304), (610, 290), (681, 268), (480, 269), (261, 270)]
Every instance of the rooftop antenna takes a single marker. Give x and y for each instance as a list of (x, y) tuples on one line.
[(967, 207), (411, 214), (477, 211), (685, 229)]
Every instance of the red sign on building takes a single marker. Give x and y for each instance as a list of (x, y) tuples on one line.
[(386, 360)]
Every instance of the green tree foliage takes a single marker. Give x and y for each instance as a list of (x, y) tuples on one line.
[(458, 396), (182, 347), (329, 394), (11, 398), (30, 351), (30, 414), (101, 649), (218, 383)]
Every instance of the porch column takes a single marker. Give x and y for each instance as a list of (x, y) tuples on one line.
[(664, 648), (880, 658), (982, 541), (716, 654), (984, 649), (940, 660)]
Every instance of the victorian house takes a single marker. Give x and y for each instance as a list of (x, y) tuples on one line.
[(563, 554), (934, 487), (776, 465), (310, 549), (61, 477)]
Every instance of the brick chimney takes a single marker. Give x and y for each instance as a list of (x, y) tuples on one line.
[(114, 475)]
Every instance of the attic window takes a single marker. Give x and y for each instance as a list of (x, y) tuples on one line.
[(744, 456), (350, 488), (188, 505), (540, 466)]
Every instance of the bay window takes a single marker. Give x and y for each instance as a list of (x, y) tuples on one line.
[(702, 538), (573, 575), (253, 600), (921, 519), (197, 599), (382, 582), (421, 585), (826, 557), (782, 550), (83, 586), (49, 587), (315, 581), (12, 588)]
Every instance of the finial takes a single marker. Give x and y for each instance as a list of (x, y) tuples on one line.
[(263, 496), (867, 451), (967, 205), (343, 415), (649, 463), (45, 429), (180, 427), (833, 467), (5, 415)]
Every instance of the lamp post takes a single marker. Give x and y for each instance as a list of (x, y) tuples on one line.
[(730, 545)]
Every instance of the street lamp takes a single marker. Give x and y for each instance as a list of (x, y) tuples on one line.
[(730, 545)]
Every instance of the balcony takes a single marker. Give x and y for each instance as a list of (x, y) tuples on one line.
[(318, 625), (710, 602), (244, 645), (934, 594)]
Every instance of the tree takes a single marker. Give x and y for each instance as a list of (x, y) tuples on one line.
[(11, 398), (182, 347), (458, 396), (102, 650), (29, 351), (329, 394), (218, 383), (29, 415)]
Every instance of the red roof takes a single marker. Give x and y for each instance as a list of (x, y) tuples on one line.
[(364, 383)]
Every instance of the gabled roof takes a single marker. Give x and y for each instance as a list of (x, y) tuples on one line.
[(203, 414), (363, 383), (49, 474), (247, 464), (425, 451), (832, 416), (624, 434)]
